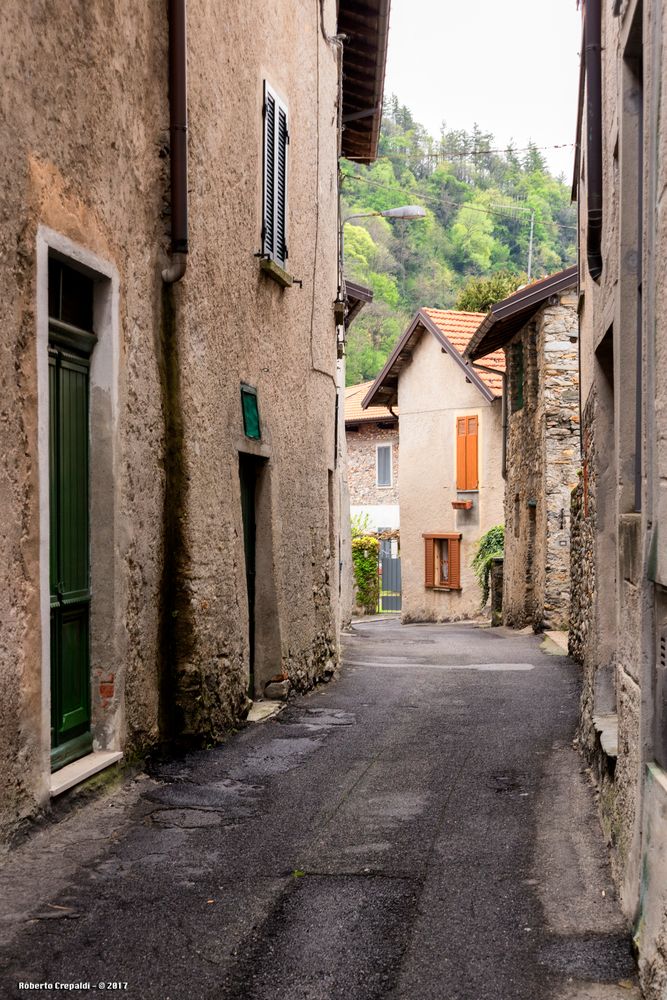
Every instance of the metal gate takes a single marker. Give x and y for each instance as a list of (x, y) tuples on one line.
[(390, 577)]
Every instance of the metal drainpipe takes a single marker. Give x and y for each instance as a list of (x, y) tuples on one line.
[(503, 405), (178, 130), (593, 48)]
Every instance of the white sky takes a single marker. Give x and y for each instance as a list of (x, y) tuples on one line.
[(512, 66)]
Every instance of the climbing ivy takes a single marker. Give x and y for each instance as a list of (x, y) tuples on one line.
[(490, 546), (365, 550)]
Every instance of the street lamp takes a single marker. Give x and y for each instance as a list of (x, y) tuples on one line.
[(407, 212), (404, 212)]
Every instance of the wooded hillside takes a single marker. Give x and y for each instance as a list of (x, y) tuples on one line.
[(479, 203)]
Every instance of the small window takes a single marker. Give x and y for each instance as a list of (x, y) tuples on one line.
[(467, 470), (384, 471), (274, 195), (442, 561), (250, 408)]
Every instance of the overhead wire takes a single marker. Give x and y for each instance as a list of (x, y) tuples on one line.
[(428, 198), (457, 154)]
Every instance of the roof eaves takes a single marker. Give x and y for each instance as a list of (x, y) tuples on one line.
[(366, 25), (384, 374), (356, 297), (527, 299), (373, 418), (580, 118)]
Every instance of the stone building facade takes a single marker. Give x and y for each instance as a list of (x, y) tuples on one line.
[(187, 549), (538, 329), (372, 459), (445, 504), (620, 599)]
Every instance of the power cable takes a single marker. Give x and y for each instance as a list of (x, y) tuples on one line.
[(447, 155), (428, 198)]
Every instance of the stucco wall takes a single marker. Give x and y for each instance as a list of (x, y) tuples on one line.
[(542, 463), (630, 540), (432, 393), (84, 152)]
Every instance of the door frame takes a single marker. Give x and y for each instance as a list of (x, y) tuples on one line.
[(268, 644), (103, 449)]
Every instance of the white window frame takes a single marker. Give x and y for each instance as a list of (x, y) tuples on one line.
[(384, 486), (270, 183)]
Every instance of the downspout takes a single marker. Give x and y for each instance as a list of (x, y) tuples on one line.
[(593, 50), (178, 132), (503, 404)]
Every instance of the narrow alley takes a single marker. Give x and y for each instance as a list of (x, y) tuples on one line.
[(422, 828)]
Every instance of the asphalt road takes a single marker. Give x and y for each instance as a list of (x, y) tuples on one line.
[(420, 829)]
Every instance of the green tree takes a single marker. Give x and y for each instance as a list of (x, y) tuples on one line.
[(479, 294), (479, 206)]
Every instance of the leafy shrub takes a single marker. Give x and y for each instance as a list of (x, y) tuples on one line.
[(360, 524), (490, 546), (365, 550)]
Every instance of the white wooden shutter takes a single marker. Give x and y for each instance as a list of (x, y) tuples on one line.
[(282, 140), (268, 200)]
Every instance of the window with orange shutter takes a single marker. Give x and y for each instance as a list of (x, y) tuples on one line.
[(467, 470), (442, 561)]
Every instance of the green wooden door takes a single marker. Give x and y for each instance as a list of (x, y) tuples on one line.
[(69, 556)]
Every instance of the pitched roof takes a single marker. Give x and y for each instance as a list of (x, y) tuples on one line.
[(506, 318), (354, 414), (459, 332), (453, 330)]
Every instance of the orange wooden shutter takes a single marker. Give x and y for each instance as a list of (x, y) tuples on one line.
[(429, 562), (461, 453), (472, 473), (455, 563)]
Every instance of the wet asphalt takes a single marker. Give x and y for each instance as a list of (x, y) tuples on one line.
[(421, 828)]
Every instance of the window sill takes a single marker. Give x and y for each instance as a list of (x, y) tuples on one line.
[(276, 272), (441, 586)]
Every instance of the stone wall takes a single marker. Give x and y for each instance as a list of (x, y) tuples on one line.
[(559, 348), (542, 458), (522, 605), (362, 468), (619, 356), (582, 556)]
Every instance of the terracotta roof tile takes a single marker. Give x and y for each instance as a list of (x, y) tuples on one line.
[(353, 411), (459, 328)]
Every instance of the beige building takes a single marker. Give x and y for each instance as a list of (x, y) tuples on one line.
[(372, 459), (620, 508), (537, 327), (170, 517), (451, 488)]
